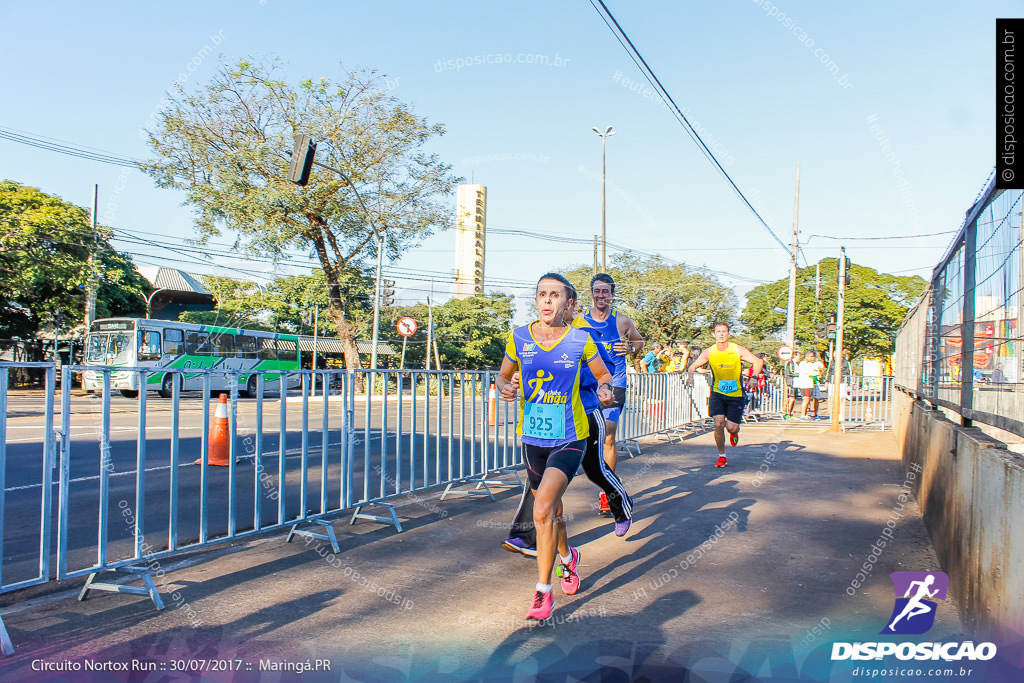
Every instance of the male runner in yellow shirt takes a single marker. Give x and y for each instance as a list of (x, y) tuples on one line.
[(725, 404)]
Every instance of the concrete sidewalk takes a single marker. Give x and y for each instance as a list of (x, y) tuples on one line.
[(751, 568)]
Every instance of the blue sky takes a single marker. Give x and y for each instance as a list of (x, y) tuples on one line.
[(897, 141)]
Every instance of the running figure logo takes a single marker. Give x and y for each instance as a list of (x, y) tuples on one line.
[(537, 384), (914, 612)]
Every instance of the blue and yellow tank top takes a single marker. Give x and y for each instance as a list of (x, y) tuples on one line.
[(607, 333), (588, 383), (550, 410), (726, 368)]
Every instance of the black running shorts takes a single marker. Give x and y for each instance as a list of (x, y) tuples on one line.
[(565, 458), (730, 406)]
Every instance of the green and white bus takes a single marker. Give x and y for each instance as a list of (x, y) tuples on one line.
[(142, 342)]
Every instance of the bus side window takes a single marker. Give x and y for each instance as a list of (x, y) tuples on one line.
[(173, 342), (149, 345), (223, 345), (267, 350), (197, 344), (246, 346), (286, 350)]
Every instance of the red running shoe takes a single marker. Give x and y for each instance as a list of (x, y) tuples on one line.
[(721, 461), (602, 505), (734, 439)]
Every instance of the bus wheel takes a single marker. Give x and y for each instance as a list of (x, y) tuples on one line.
[(130, 393), (167, 386), (250, 387)]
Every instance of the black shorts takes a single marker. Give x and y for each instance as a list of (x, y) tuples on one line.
[(795, 393), (565, 458), (730, 406)]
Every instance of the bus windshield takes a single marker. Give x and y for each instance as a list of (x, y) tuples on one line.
[(109, 349)]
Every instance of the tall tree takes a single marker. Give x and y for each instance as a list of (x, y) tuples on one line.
[(228, 146), (876, 304), (45, 244), (666, 301)]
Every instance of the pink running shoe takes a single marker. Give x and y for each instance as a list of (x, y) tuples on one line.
[(541, 608), (567, 572)]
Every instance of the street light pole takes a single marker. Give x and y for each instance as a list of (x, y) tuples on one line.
[(604, 241), (308, 154)]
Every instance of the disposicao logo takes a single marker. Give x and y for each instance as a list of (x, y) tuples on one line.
[(913, 614)]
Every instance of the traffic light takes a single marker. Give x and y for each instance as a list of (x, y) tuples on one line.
[(831, 330), (848, 265), (821, 330), (387, 293), (302, 160)]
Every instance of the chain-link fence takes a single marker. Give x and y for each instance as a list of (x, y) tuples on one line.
[(960, 346)]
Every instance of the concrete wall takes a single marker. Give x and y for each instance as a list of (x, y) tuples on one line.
[(971, 492)]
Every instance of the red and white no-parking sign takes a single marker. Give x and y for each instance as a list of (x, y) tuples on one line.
[(785, 353), (406, 327)]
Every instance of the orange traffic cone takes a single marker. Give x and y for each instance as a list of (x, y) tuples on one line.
[(220, 451), (492, 406)]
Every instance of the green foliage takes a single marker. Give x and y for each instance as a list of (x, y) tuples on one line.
[(229, 144), (45, 244), (471, 333), (666, 302), (876, 304)]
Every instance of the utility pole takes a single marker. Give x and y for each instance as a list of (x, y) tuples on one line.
[(430, 329), (595, 254), (791, 308), (316, 323), (376, 299), (92, 284), (837, 356)]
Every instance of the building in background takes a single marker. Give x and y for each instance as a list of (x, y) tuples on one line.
[(470, 232), (175, 291)]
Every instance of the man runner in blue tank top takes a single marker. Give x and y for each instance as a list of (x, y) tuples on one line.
[(619, 336)]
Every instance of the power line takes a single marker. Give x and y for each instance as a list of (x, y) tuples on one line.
[(890, 237), (68, 148), (651, 78)]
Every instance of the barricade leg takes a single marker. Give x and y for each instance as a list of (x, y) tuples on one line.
[(6, 646), (393, 519), (143, 572), (480, 483), (328, 534), (497, 482), (629, 445)]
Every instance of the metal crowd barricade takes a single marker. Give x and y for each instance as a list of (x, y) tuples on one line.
[(661, 403), (168, 499), (436, 429), (26, 488), (866, 402)]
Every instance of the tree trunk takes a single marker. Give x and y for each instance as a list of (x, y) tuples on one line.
[(347, 335)]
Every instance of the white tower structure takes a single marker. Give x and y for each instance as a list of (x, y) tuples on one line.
[(470, 232)]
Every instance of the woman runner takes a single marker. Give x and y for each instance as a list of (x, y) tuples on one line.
[(521, 538), (549, 356)]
